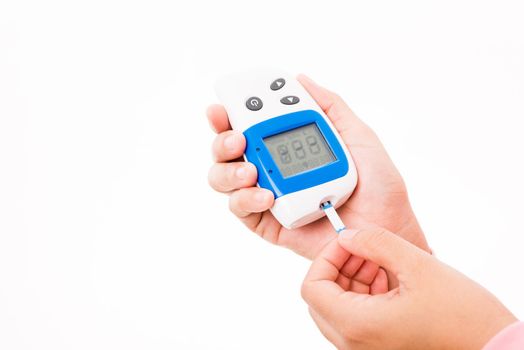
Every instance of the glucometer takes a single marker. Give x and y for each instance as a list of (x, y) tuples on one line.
[(298, 153)]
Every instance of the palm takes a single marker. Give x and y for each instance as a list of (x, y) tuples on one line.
[(380, 198), (384, 204)]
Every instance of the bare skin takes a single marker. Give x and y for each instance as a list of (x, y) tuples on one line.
[(348, 288), (433, 306), (380, 198)]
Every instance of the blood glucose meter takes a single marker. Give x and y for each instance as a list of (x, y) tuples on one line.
[(298, 153)]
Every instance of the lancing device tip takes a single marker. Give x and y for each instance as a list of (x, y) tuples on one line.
[(333, 217)]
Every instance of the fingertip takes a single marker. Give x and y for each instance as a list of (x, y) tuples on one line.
[(210, 116), (264, 198), (252, 173), (251, 168), (305, 80), (322, 96), (246, 201), (247, 174), (214, 109), (234, 142), (228, 146), (217, 118)]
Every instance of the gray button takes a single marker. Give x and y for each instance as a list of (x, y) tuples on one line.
[(278, 84), (290, 100), (254, 103)]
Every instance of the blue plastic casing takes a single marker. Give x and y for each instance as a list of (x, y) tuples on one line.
[(269, 175)]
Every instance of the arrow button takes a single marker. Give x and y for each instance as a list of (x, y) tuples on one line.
[(290, 100), (277, 84)]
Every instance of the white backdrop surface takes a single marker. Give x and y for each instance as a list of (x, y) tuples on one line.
[(109, 235)]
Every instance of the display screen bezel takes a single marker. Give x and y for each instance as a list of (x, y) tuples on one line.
[(269, 175)]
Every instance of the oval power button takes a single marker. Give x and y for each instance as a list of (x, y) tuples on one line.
[(254, 103)]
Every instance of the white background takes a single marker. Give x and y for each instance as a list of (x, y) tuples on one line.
[(109, 235)]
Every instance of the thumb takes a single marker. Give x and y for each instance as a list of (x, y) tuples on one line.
[(342, 117), (383, 248), (358, 137)]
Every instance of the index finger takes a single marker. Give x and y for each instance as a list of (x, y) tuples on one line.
[(319, 288), (321, 292), (218, 119)]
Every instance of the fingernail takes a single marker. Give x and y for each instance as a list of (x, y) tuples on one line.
[(241, 173), (347, 234), (261, 197), (231, 142)]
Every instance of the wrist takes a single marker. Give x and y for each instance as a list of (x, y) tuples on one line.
[(511, 334), (498, 326), (410, 229), (414, 234)]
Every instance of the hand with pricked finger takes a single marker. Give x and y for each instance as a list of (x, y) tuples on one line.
[(433, 306)]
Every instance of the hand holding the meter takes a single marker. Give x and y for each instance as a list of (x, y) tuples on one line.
[(380, 197), (433, 307)]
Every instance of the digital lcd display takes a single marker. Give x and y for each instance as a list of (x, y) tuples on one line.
[(299, 150)]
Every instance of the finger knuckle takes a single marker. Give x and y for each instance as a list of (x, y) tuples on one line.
[(268, 232)]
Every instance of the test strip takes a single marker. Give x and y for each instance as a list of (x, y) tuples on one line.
[(333, 217)]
